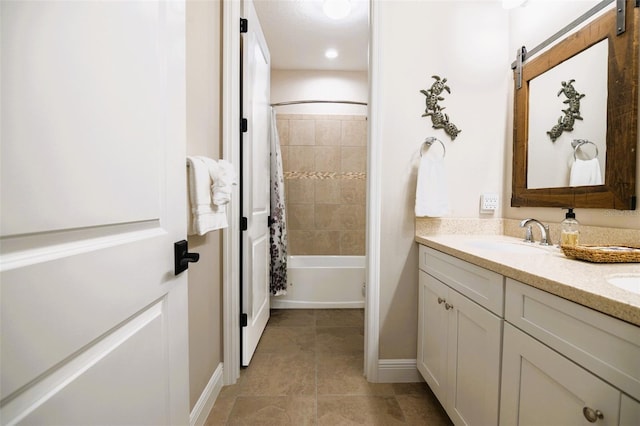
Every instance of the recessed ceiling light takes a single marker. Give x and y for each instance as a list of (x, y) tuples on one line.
[(336, 9), (331, 53)]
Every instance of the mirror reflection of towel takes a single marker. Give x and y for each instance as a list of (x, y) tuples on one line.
[(432, 198), (585, 172)]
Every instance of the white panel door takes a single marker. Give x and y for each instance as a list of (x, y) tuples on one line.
[(256, 177), (93, 320)]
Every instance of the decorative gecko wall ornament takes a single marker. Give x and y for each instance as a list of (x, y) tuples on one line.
[(439, 119)]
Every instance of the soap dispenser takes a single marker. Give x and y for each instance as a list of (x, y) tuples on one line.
[(569, 229)]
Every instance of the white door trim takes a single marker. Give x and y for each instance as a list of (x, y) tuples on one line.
[(230, 149), (374, 204), (231, 152)]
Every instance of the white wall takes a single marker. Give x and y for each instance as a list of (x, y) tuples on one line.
[(292, 85), (466, 42), (529, 26)]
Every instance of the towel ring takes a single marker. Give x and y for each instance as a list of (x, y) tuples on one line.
[(577, 143), (429, 141)]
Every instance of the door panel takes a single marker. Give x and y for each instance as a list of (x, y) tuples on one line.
[(433, 326), (93, 320), (474, 362), (256, 178), (79, 54), (541, 387)]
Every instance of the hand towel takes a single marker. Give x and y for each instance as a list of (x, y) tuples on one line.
[(223, 177), (585, 172), (432, 197), (205, 216)]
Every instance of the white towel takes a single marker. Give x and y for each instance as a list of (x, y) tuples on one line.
[(205, 216), (585, 172), (432, 197), (223, 177)]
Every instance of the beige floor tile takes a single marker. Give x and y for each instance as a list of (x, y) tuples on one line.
[(292, 318), (276, 411), (220, 412), (340, 318), (342, 374), (410, 388), (339, 340), (274, 374), (287, 340), (423, 409), (292, 381), (359, 410)]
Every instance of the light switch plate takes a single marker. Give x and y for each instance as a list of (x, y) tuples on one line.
[(489, 202)]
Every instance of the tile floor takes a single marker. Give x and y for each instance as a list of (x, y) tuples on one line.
[(307, 370)]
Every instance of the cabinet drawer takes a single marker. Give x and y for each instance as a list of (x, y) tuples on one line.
[(608, 347), (480, 285)]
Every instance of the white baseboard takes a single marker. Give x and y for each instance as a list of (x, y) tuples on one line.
[(398, 371), (208, 397)]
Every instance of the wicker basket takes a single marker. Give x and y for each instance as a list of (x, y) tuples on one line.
[(603, 254)]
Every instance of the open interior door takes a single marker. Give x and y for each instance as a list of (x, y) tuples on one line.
[(255, 182), (93, 197)]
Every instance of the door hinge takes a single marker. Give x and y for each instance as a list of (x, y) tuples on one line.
[(243, 223), (243, 320), (244, 125), (244, 25)]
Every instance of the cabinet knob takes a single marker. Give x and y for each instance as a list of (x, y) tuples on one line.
[(440, 300), (592, 415), (448, 306)]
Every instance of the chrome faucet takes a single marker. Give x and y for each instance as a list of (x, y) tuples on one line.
[(545, 235)]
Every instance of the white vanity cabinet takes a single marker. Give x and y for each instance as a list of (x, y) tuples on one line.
[(459, 336), (566, 364)]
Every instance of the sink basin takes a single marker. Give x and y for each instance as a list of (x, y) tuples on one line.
[(630, 282), (509, 246)]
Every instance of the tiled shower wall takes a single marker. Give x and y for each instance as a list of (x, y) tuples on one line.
[(324, 161)]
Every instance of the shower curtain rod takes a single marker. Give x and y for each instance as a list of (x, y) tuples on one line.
[(317, 102)]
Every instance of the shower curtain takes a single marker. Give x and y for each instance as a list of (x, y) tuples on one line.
[(278, 228)]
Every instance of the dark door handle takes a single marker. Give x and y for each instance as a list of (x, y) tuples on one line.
[(182, 257)]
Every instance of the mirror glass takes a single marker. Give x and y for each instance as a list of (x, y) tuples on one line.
[(576, 116), (552, 161)]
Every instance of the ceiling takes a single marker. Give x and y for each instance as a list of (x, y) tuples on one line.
[(298, 33)]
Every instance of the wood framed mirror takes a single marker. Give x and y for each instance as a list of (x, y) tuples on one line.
[(618, 190)]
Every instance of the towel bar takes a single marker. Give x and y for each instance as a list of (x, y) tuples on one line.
[(577, 143), (429, 141)]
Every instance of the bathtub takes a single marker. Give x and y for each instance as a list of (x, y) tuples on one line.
[(322, 282)]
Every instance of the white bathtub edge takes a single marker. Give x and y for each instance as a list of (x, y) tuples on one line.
[(295, 304)]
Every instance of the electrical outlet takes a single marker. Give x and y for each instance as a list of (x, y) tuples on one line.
[(489, 202)]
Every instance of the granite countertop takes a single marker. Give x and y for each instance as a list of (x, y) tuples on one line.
[(546, 268)]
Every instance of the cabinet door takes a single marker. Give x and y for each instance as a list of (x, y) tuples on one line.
[(541, 387), (474, 362), (629, 411), (432, 332)]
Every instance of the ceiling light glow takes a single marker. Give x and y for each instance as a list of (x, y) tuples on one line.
[(512, 4), (331, 53), (336, 9)]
